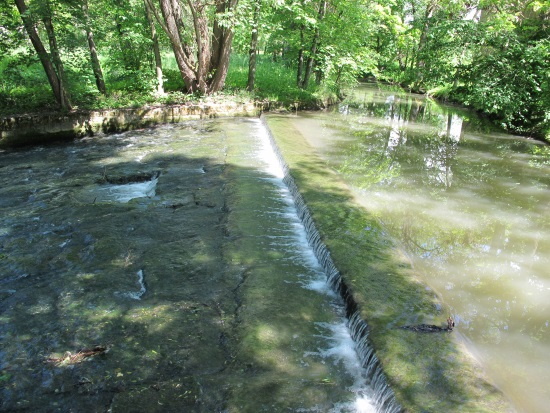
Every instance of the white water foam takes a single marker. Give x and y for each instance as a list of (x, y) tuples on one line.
[(127, 192), (138, 294)]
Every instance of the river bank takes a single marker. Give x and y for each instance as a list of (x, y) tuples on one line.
[(29, 129), (44, 127)]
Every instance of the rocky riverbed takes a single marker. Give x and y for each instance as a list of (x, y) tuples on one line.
[(160, 270)]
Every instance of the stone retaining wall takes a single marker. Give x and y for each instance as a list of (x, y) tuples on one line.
[(40, 128)]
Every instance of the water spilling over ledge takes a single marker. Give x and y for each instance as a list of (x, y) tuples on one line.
[(234, 312), (134, 187), (383, 397), (208, 289)]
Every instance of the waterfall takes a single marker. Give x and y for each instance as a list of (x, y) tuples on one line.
[(383, 397)]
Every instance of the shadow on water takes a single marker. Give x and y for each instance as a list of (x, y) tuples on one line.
[(195, 309), (190, 289), (70, 263)]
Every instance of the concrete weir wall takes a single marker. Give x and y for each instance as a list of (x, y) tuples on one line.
[(39, 128)]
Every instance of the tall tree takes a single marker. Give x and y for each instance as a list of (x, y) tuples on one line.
[(304, 81), (429, 10), (201, 34), (300, 62), (96, 65), (253, 50), (52, 64), (156, 47), (130, 28)]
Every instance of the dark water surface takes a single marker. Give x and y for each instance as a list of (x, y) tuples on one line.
[(471, 207)]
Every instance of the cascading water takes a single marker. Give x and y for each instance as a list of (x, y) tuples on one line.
[(380, 397)]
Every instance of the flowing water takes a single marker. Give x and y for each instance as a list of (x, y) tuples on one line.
[(471, 207), (170, 269)]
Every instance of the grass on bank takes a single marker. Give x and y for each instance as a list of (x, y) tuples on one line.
[(24, 86)]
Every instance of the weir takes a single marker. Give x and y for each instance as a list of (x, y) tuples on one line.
[(232, 312), (383, 397)]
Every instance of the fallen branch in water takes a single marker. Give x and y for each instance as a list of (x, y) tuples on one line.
[(430, 328), (74, 358), (425, 328)]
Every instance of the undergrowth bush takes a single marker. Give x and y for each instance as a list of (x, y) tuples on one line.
[(275, 81), (25, 88)]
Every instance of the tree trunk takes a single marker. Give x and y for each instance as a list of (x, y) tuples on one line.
[(200, 25), (300, 70), (319, 77), (40, 49), (222, 52), (96, 66), (205, 72), (314, 45), (170, 26), (56, 57), (60, 94), (220, 71), (156, 48), (420, 62), (253, 48), (130, 57)]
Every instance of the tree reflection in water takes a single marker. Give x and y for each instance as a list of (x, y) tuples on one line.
[(470, 206)]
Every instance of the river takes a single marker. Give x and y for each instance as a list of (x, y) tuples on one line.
[(470, 207), (166, 269)]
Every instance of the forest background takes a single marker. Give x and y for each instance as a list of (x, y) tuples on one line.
[(490, 55)]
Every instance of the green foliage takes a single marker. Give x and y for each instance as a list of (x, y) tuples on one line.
[(275, 81), (512, 85), (493, 58), (496, 62), (23, 84)]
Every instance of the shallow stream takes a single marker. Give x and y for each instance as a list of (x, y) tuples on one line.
[(165, 270)]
